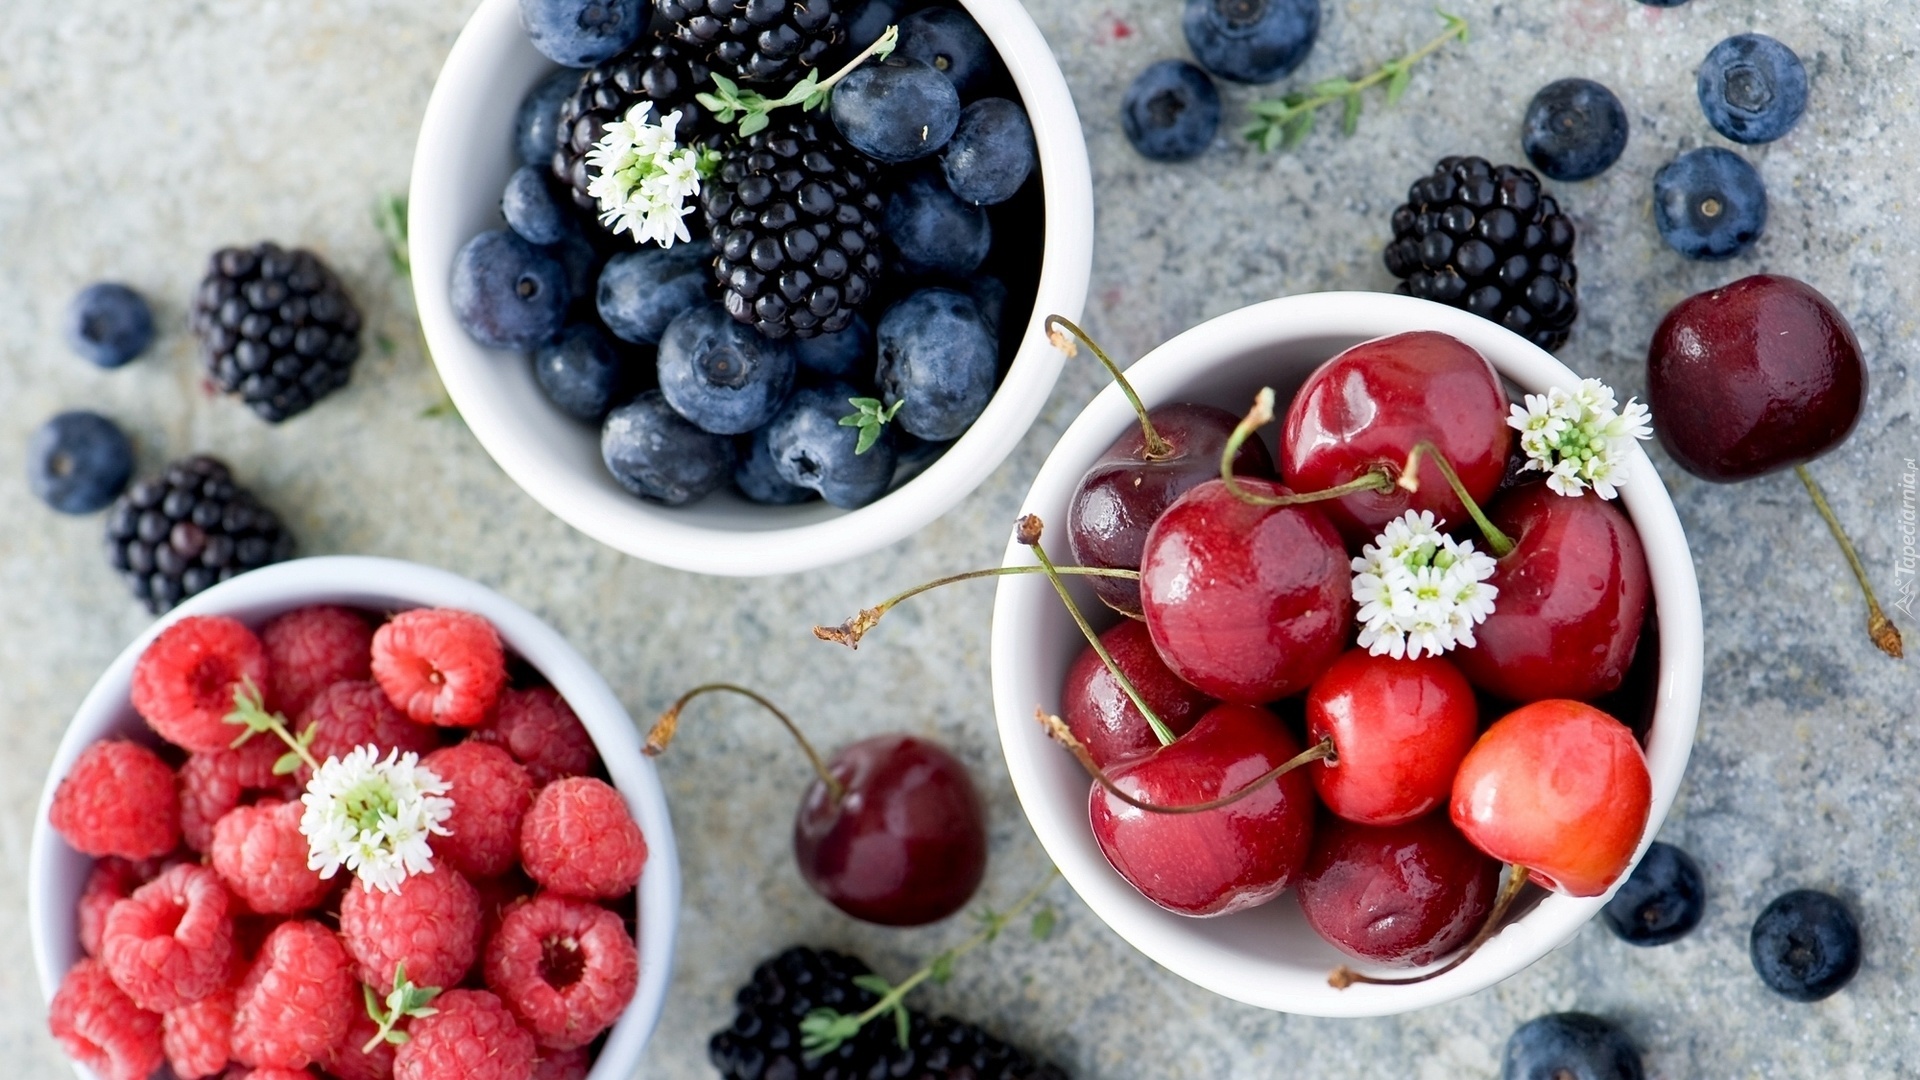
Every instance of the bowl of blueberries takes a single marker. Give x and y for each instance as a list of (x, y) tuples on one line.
[(748, 289)]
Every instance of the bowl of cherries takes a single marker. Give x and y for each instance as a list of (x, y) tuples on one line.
[(1374, 721)]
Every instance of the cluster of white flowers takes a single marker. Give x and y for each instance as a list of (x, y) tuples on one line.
[(374, 817), (1579, 439), (643, 179), (1420, 591)]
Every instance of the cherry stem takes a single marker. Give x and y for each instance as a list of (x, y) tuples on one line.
[(1057, 728), (663, 729), (1158, 449), (1879, 627), (1028, 532), (1500, 542), (1344, 976), (1375, 479), (850, 632)]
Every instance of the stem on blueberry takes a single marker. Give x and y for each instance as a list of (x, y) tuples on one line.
[(1879, 627), (1158, 449), (850, 632), (1375, 479), (732, 100), (1500, 542), (663, 730), (1344, 976), (1058, 730)]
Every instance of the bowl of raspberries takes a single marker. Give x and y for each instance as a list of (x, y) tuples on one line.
[(353, 817), (748, 289)]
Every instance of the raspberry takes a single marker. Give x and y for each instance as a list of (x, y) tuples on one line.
[(540, 730), (273, 1074), (212, 784), (491, 793), (311, 648), (184, 683), (171, 942), (346, 1062), (356, 712), (101, 1028), (471, 1037), (199, 1037), (432, 924), (565, 967), (261, 854), (498, 895), (440, 666), (117, 799), (111, 881), (296, 999), (578, 840), (561, 1065)]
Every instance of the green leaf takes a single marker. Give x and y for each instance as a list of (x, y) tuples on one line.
[(390, 217), (941, 969), (1332, 88), (900, 1024), (443, 407), (373, 1004), (286, 764), (727, 86), (1350, 114), (1455, 24), (1298, 128), (752, 123), (1397, 83), (871, 417), (1042, 925), (399, 1038), (1273, 110), (874, 984), (823, 1030)]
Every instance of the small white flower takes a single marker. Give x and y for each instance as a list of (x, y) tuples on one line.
[(374, 817), (1578, 439), (1420, 591), (643, 179)]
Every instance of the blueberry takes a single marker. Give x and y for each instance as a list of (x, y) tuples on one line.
[(1171, 111), (108, 324), (656, 454), (1709, 204), (530, 208), (895, 110), (759, 479), (1570, 1046), (722, 374), (948, 40), (991, 152), (641, 291), (938, 356), (78, 462), (580, 371), (582, 33), (838, 356), (1251, 41), (1661, 901), (1752, 88), (581, 263), (507, 293), (1805, 945), (536, 126), (990, 293), (932, 230), (1575, 129), (812, 449)]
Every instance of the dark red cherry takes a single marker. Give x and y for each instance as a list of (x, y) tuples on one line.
[(905, 844), (1217, 861), (1752, 377), (1399, 729), (1246, 603), (1127, 490), (1573, 597), (1403, 894), (1100, 714), (1370, 406)]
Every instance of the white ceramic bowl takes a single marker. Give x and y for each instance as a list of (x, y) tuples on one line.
[(460, 166), (1269, 957), (57, 873)]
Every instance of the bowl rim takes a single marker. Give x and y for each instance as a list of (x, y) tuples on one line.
[(391, 584), (439, 222), (1169, 939)]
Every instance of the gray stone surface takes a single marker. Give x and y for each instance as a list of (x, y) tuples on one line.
[(136, 138)]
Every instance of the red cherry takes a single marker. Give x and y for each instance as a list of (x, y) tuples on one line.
[(1247, 603), (1100, 714), (1399, 729), (1573, 597), (1217, 861), (1403, 894), (1369, 406), (1560, 788)]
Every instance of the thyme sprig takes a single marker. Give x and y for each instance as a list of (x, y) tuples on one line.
[(1284, 121)]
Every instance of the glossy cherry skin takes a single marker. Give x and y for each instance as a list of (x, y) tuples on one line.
[(1100, 714), (1124, 493), (1755, 376), (1403, 894), (1246, 603), (906, 845), (1572, 601), (1399, 730), (1369, 406), (1215, 862), (1560, 788)]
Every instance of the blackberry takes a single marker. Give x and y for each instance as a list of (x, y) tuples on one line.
[(1487, 239), (764, 1038), (276, 327), (795, 223), (192, 527), (756, 41), (655, 70)]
